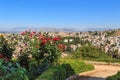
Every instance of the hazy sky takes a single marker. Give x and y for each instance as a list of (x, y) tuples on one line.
[(60, 13)]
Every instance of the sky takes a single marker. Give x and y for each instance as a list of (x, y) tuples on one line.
[(76, 14)]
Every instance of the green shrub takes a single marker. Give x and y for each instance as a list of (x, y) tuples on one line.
[(23, 60), (12, 71), (77, 65), (111, 60), (60, 72), (95, 56), (5, 48), (114, 77), (90, 52)]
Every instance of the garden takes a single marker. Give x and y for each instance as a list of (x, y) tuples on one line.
[(36, 56)]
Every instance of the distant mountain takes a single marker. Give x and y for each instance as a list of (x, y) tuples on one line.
[(24, 28), (43, 29), (96, 29), (49, 29)]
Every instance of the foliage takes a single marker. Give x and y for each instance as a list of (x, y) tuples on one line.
[(77, 65), (12, 71), (60, 72), (110, 33), (33, 51), (114, 77), (66, 68), (39, 51), (63, 72), (114, 54), (110, 60), (77, 54), (5, 49), (89, 52), (73, 41), (24, 61)]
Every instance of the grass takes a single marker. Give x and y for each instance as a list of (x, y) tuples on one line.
[(47, 74), (78, 65)]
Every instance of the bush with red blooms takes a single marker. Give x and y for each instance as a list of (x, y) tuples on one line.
[(38, 52), (33, 51)]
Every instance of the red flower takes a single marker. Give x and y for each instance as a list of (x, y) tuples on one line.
[(44, 42), (31, 35), (1, 56), (34, 32), (38, 35), (61, 47), (41, 37), (56, 39), (48, 39), (23, 33)]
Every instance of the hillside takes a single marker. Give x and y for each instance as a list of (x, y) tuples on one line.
[(116, 33), (112, 33)]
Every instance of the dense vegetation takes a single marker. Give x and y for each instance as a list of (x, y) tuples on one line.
[(12, 71), (33, 55), (66, 68), (77, 65), (59, 72), (90, 52), (114, 77)]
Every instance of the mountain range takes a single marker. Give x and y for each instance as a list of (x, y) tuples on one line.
[(49, 29)]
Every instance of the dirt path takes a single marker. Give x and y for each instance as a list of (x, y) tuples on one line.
[(100, 73)]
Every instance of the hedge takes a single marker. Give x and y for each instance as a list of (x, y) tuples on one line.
[(60, 72), (114, 77), (78, 65)]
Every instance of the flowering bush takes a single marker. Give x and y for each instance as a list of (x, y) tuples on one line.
[(38, 51), (33, 51)]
